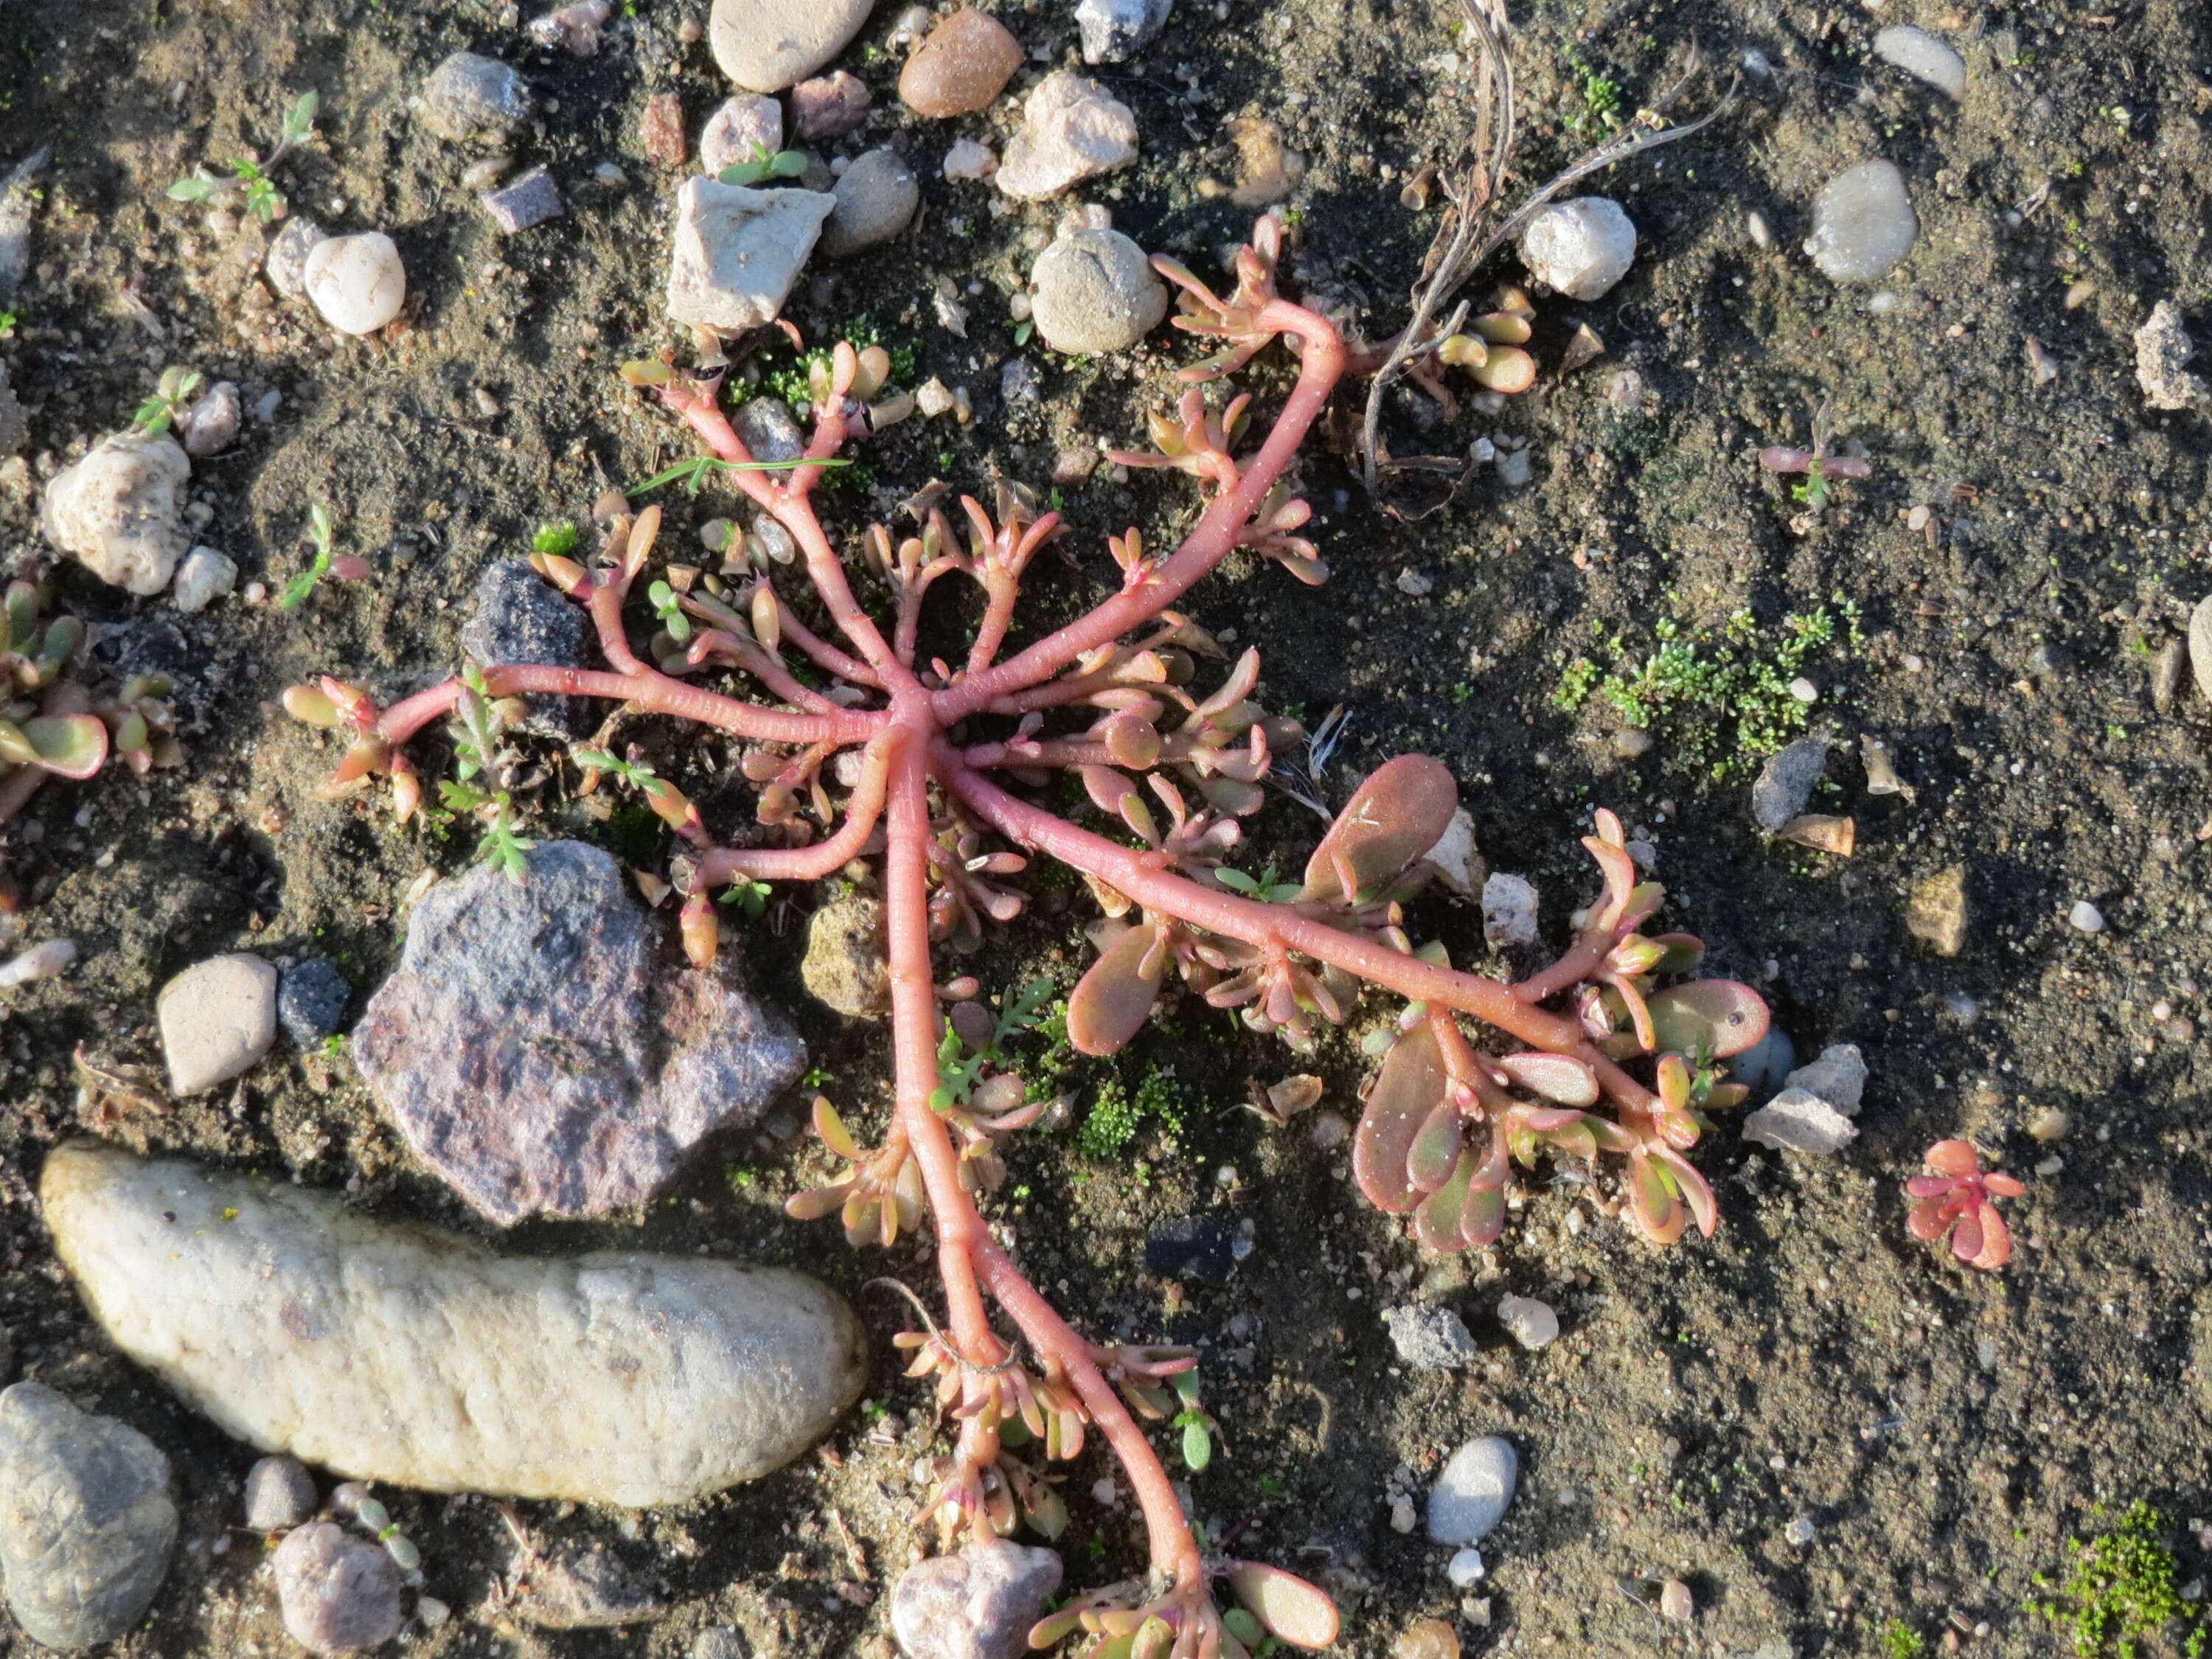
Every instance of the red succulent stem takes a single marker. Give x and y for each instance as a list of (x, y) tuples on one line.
[(650, 690)]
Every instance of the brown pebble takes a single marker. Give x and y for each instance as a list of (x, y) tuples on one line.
[(661, 129), (964, 63), (829, 106), (1426, 1638)]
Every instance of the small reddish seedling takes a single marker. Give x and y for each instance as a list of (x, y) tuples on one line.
[(1818, 464), (1956, 1200)]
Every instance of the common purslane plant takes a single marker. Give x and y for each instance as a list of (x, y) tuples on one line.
[(881, 751), (52, 722)]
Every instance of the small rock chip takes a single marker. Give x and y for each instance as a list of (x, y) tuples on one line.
[(476, 1046), (1426, 1638), (1838, 1077), (846, 964), (769, 430), (1430, 1338), (875, 201), (1114, 31), (1813, 1112), (979, 1604), (1923, 56), (1783, 788), (518, 618), (1581, 247), (719, 1642), (1019, 382), (1509, 912), (1935, 911), (583, 1588), (2163, 350), (574, 29), (2085, 917), (1676, 1602), (470, 96), (530, 201), (217, 1018), (338, 1592), (297, 1324), (965, 63), (2200, 646), (1071, 130), (1470, 1495), (311, 1000), (1800, 1532), (279, 1493), (204, 577), (765, 46), (737, 252), (1465, 1568), (116, 511), (1200, 1246), (212, 426), (357, 283), (660, 129), (970, 161), (1413, 585), (1456, 860), (287, 263), (1863, 223), (1268, 170), (1528, 1321), (828, 107), (1093, 291), (733, 132), (86, 1523)]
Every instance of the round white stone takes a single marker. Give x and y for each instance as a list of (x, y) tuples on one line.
[(1470, 1495), (1923, 56), (357, 283), (2087, 917), (1579, 248), (218, 1018), (1465, 1568), (1863, 223), (1093, 291), (1530, 1322)]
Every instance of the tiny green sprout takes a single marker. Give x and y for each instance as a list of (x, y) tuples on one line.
[(334, 1045), (556, 539), (262, 200), (159, 413), (1900, 1641), (299, 123), (1198, 1428), (637, 772), (817, 1078), (669, 607), (7, 321), (1023, 330), (1267, 887), (765, 166), (321, 531), (692, 474), (749, 896)]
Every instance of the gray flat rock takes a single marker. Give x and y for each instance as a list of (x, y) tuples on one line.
[(738, 251), (765, 46)]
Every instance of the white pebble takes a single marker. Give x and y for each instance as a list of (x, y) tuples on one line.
[(1530, 1322), (2087, 917), (1508, 911), (204, 577), (1465, 1568), (1863, 223), (40, 962), (1799, 1532), (1472, 1494), (1579, 248), (217, 1018), (357, 283), (1804, 690), (1923, 56), (969, 161)]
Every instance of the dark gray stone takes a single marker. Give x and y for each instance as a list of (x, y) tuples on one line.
[(519, 617), (583, 1588), (1784, 787), (338, 1592), (86, 1519), (1430, 1338), (1115, 30), (541, 1051), (530, 200), (979, 1604), (769, 430), (1202, 1247), (279, 1493), (311, 1000), (470, 96)]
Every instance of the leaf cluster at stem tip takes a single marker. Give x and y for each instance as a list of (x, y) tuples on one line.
[(959, 1069)]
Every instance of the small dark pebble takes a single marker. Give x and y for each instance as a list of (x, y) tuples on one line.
[(279, 1493), (311, 1000), (1201, 1246), (530, 200), (520, 618)]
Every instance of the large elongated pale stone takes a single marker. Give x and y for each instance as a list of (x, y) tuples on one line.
[(399, 1353)]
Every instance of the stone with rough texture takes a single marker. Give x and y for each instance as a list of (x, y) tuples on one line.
[(279, 1493), (769, 430), (472, 96), (527, 203), (1430, 1338), (1580, 248), (876, 200), (1472, 1494), (1863, 223), (204, 577), (518, 618), (765, 46), (2163, 350), (217, 1018), (538, 1054), (338, 1592), (87, 1521), (212, 425), (1093, 291), (1813, 1112), (298, 1324), (311, 999), (830, 107), (287, 263), (1455, 857), (979, 1604), (1508, 911), (737, 252), (1114, 31), (660, 129), (845, 963), (733, 131), (970, 161), (1923, 57), (1783, 789), (1528, 1321), (964, 63), (356, 282), (1071, 130), (116, 511), (2200, 647), (1935, 911)]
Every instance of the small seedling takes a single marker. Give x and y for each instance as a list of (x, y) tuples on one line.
[(475, 739), (262, 198), (1817, 464), (555, 539), (2124, 1588), (346, 568), (1955, 1200), (161, 410), (766, 167), (692, 474), (750, 898)]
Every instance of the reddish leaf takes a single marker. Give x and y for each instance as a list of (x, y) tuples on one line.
[(1290, 1609), (1234, 690), (1410, 1085), (1112, 1000), (1695, 1191), (1652, 1203), (1996, 1240), (1393, 818), (1435, 1150), (1482, 1219), (1556, 1076), (1436, 1223), (1966, 1237), (2004, 1185), (1927, 1220), (1105, 786), (73, 745), (1725, 1017), (1954, 1158), (1929, 1185), (1132, 740)]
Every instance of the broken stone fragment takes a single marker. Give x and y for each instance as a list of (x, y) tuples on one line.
[(1813, 1113), (1784, 785), (846, 965), (1071, 130), (2163, 350), (403, 1354), (1114, 31), (541, 1056), (737, 252), (1936, 913), (530, 201), (116, 511), (472, 96)]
